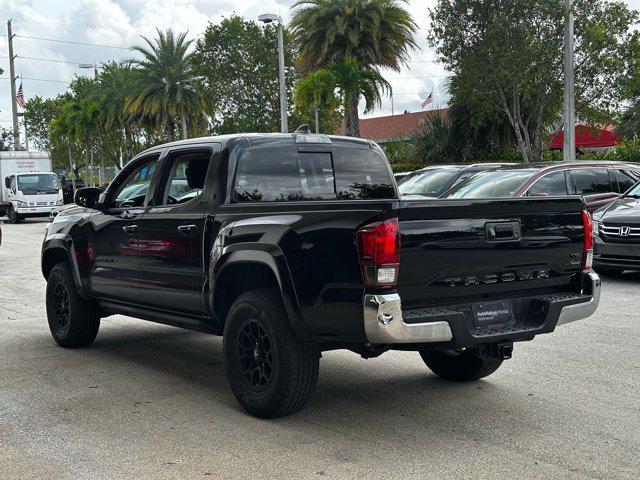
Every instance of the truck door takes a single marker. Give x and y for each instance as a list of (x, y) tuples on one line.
[(114, 246), (172, 232)]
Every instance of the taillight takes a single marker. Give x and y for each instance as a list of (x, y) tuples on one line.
[(587, 254), (379, 251)]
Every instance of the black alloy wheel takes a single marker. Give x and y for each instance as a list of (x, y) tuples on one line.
[(255, 353), (61, 306)]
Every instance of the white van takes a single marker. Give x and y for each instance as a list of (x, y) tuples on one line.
[(29, 187)]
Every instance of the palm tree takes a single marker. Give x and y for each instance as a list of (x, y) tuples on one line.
[(316, 90), (79, 120), (629, 126), (375, 32), (354, 81), (435, 143), (112, 96), (164, 86)]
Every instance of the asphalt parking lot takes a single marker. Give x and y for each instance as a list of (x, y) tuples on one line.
[(149, 401)]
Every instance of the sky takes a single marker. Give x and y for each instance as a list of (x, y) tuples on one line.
[(121, 23)]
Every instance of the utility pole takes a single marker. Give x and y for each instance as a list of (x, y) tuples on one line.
[(12, 80), (569, 147)]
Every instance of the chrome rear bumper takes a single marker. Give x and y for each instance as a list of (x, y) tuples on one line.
[(384, 324), (583, 310)]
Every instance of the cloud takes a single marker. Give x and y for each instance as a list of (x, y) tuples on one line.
[(121, 23)]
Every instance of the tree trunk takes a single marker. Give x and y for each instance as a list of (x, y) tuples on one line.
[(316, 112), (351, 119), (168, 129), (101, 172), (128, 142), (515, 124), (73, 173), (183, 125), (89, 157)]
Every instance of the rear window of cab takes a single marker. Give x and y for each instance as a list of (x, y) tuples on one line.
[(340, 174)]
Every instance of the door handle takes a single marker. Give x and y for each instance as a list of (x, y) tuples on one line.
[(130, 229), (187, 230)]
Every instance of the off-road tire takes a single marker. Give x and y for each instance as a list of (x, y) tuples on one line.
[(73, 321), (463, 366), (271, 372)]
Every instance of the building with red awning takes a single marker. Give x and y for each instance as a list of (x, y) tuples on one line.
[(588, 137)]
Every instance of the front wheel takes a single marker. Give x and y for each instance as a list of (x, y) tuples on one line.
[(73, 321), (460, 365), (271, 372), (13, 215)]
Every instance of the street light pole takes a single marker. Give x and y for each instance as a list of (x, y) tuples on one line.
[(283, 85), (268, 18), (569, 147)]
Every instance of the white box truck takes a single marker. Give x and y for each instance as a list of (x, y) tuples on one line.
[(29, 188)]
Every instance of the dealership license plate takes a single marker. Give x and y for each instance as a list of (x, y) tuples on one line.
[(493, 315)]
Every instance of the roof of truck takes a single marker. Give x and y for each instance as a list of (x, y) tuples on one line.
[(265, 138)]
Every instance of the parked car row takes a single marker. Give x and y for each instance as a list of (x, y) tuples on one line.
[(610, 189)]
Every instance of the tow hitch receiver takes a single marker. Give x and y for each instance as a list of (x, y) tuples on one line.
[(503, 351)]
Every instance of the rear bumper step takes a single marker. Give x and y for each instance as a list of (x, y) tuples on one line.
[(386, 323)]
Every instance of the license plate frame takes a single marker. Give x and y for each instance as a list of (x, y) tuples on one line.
[(493, 315)]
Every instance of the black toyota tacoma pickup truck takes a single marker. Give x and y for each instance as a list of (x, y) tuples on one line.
[(289, 245)]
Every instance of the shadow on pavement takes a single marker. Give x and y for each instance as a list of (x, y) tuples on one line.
[(372, 396)]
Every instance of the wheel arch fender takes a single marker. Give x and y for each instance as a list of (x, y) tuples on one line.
[(265, 258), (60, 248)]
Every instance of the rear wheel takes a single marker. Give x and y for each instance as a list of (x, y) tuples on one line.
[(271, 372), (73, 321), (460, 365)]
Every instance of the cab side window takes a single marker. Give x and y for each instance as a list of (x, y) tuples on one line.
[(590, 181), (133, 190), (187, 173), (552, 184)]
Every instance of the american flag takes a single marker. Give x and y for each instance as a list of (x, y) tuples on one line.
[(428, 100), (20, 96)]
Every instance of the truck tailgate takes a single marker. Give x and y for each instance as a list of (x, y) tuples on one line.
[(472, 250)]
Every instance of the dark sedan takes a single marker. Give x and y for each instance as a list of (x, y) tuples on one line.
[(600, 183), (434, 181), (617, 234)]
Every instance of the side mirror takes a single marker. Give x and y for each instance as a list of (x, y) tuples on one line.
[(7, 182), (87, 197)]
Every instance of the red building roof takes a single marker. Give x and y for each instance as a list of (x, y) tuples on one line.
[(588, 137), (393, 127)]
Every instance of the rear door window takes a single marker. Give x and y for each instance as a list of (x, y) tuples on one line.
[(341, 174), (362, 175), (551, 184), (590, 181)]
